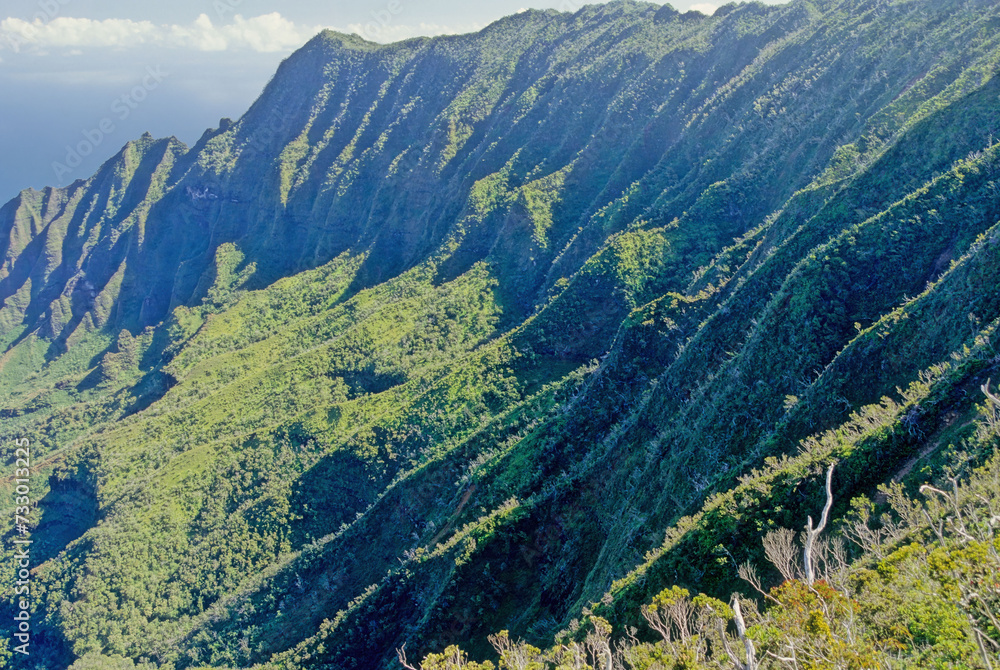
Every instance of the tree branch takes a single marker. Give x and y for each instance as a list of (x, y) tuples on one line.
[(986, 389), (813, 533), (741, 630), (401, 655), (748, 573), (982, 650)]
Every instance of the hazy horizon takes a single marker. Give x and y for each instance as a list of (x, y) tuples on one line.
[(77, 73)]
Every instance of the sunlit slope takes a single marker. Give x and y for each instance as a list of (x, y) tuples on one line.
[(447, 336)]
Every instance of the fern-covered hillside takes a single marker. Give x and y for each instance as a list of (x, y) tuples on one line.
[(534, 347)]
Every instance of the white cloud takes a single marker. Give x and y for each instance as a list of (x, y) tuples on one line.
[(705, 8), (265, 33), (66, 32)]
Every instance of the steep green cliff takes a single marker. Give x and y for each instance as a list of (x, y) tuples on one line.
[(475, 333)]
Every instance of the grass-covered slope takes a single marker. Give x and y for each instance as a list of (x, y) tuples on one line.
[(476, 333)]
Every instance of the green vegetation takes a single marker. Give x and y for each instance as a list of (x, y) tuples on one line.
[(530, 349), (914, 587)]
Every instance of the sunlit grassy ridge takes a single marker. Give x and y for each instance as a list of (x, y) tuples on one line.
[(490, 332)]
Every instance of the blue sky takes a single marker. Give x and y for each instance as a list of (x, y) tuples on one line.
[(79, 78)]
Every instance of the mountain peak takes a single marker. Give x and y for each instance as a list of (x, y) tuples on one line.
[(532, 330)]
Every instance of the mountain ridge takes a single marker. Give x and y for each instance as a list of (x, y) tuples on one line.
[(487, 332)]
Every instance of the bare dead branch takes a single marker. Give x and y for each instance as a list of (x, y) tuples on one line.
[(748, 573), (741, 631), (860, 532), (982, 650), (813, 533), (401, 655), (779, 547), (938, 528), (986, 389)]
